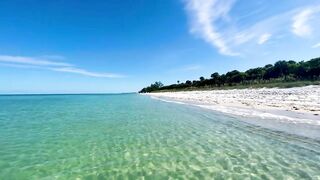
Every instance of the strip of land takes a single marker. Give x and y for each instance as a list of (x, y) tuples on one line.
[(297, 105)]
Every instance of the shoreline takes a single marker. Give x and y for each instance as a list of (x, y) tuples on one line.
[(293, 110), (252, 113)]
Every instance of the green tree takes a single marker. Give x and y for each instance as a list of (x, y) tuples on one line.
[(255, 74), (235, 77), (215, 78), (189, 83), (281, 70)]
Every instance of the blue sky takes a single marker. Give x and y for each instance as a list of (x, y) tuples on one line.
[(121, 46)]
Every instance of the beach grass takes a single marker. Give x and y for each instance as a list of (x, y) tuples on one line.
[(278, 84)]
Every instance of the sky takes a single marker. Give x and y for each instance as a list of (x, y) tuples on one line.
[(109, 46)]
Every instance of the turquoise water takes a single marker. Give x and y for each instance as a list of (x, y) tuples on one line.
[(132, 136)]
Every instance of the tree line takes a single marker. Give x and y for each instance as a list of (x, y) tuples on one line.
[(280, 71)]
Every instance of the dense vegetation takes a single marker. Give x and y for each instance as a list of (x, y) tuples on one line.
[(281, 71)]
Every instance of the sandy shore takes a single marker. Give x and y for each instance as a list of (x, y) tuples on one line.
[(297, 105)]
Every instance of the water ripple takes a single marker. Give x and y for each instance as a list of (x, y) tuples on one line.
[(135, 137)]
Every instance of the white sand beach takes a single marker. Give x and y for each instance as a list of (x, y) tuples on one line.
[(296, 105)]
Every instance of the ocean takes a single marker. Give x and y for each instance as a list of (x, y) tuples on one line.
[(131, 136)]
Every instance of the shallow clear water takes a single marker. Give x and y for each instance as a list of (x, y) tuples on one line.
[(132, 136)]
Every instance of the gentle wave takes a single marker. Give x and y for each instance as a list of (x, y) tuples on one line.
[(298, 126), (245, 112)]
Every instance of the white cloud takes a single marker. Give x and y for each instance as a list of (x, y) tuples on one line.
[(264, 38), (30, 61), (21, 66), (204, 15), (211, 20), (37, 63), (300, 24), (316, 45), (86, 73)]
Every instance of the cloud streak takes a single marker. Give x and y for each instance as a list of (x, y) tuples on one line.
[(30, 61), (300, 24), (316, 45), (204, 15), (211, 20), (86, 73), (264, 38), (41, 63)]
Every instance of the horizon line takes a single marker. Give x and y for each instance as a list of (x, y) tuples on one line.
[(35, 94)]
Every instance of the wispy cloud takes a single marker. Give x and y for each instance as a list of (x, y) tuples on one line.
[(24, 66), (300, 24), (264, 38), (316, 45), (204, 14), (31, 61), (86, 73), (212, 21), (41, 63)]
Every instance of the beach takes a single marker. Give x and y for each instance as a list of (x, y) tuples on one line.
[(296, 105)]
